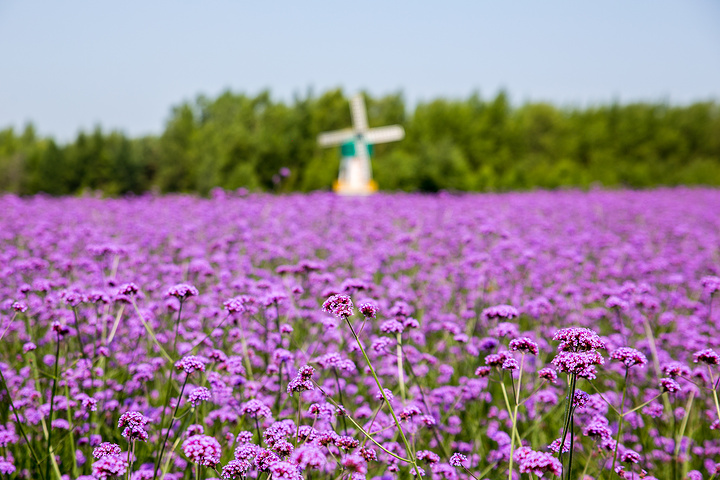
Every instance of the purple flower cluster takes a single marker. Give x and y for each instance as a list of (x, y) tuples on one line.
[(468, 294)]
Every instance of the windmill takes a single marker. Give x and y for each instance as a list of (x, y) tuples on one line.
[(355, 177)]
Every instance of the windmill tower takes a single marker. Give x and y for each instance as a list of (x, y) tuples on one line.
[(355, 177)]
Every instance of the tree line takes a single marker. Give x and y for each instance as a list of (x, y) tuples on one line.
[(474, 144)]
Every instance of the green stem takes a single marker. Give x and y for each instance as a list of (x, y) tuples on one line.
[(19, 424), (401, 377), (177, 327), (620, 424), (172, 420), (151, 332), (52, 407), (514, 417), (408, 449)]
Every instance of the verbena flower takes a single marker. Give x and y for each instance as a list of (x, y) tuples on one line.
[(629, 357), (203, 450), (339, 305), (190, 364), (133, 425)]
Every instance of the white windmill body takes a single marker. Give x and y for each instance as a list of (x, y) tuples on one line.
[(355, 177)]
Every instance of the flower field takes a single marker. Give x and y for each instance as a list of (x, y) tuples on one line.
[(497, 336)]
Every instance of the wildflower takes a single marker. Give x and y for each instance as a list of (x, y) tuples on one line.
[(391, 326), (255, 409), (555, 446), (194, 430), (29, 347), (459, 460), (369, 310), (346, 442), (629, 456), (674, 370), (302, 381), (308, 456), (20, 307), (428, 456), (483, 371), (497, 359), (629, 357), (190, 364), (244, 437), (537, 463), (284, 471), (707, 356), (579, 363), (524, 345), (133, 425), (247, 451), (669, 385), (182, 291), (575, 339), (369, 454), (109, 466), (500, 311), (235, 470), (203, 450), (711, 284), (548, 374), (580, 398), (510, 364), (339, 305), (599, 428), (199, 395), (128, 289), (105, 449), (354, 463)]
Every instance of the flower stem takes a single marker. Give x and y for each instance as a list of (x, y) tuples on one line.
[(50, 452), (408, 449), (620, 424), (172, 420)]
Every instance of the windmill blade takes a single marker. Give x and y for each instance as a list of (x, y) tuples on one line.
[(358, 113), (391, 133), (338, 137)]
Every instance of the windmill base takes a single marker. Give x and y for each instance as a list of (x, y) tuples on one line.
[(343, 188)]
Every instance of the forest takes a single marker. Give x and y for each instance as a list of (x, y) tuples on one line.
[(238, 140)]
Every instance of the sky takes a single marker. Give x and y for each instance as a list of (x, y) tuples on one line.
[(71, 65)]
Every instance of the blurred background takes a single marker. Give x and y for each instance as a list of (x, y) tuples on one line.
[(126, 97)]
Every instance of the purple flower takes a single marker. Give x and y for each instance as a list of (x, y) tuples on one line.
[(190, 364), (105, 449), (339, 305), (707, 356), (537, 463), (203, 450), (548, 374), (500, 311), (669, 385), (255, 409), (133, 425), (524, 345), (579, 363), (182, 291), (199, 395), (575, 339), (629, 357), (302, 381), (368, 309), (284, 471), (459, 460), (109, 467), (235, 470)]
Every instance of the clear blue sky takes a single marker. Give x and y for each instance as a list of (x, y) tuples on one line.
[(73, 64)]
